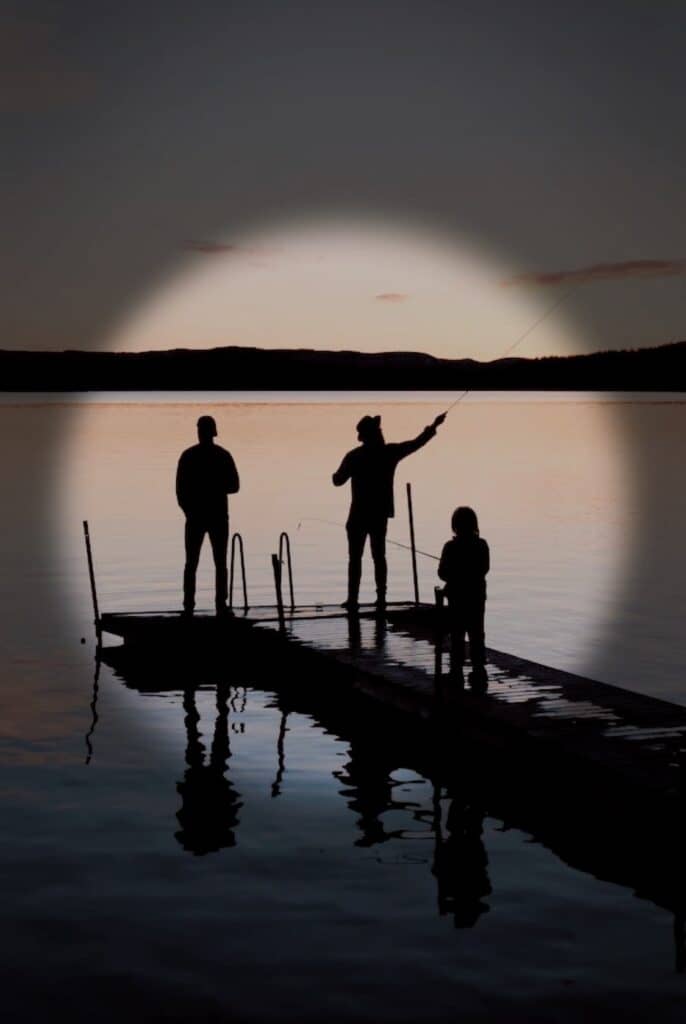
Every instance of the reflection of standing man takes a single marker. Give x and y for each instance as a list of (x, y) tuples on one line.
[(371, 469), (205, 475), (208, 815)]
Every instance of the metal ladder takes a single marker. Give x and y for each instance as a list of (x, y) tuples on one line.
[(237, 541)]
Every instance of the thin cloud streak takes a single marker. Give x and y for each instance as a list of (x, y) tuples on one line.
[(209, 248), (256, 256), (601, 272), (391, 297)]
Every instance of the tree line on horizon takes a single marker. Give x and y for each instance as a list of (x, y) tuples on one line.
[(237, 368)]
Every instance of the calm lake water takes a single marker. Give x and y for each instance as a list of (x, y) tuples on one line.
[(227, 853)]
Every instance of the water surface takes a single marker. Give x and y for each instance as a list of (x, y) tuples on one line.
[(217, 845)]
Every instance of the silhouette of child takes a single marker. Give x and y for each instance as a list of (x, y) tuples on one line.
[(465, 561)]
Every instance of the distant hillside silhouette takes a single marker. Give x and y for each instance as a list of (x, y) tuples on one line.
[(236, 369)]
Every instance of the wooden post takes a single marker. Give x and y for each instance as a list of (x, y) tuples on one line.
[(284, 539), (276, 566), (439, 595), (412, 544), (91, 573)]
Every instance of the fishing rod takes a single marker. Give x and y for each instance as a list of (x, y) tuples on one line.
[(525, 334), (396, 543)]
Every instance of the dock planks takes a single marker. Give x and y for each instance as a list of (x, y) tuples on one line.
[(600, 729)]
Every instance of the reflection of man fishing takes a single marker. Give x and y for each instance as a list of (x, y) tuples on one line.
[(371, 469)]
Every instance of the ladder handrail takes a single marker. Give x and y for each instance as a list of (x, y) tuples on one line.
[(439, 630), (284, 538), (237, 539), (276, 569)]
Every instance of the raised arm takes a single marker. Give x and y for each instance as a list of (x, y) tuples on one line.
[(408, 447), (343, 473)]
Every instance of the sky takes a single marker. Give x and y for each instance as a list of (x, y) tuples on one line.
[(167, 159), (347, 285)]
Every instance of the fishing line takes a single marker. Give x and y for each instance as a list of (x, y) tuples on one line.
[(396, 543), (525, 334)]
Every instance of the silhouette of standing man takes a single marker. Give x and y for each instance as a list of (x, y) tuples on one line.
[(205, 475), (371, 469)]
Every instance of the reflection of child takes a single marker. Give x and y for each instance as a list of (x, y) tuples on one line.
[(465, 560)]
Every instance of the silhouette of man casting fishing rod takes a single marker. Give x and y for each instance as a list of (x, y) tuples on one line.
[(370, 469)]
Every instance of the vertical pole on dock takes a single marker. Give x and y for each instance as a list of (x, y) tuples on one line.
[(276, 566), (412, 544), (439, 596), (284, 539), (91, 573)]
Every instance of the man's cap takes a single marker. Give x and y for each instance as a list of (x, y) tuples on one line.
[(368, 423), (206, 425)]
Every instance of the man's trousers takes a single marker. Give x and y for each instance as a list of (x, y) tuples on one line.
[(358, 530), (218, 530)]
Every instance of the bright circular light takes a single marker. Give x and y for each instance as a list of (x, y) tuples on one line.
[(549, 487), (368, 286)]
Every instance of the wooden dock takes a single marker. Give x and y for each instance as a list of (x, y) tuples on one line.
[(599, 732)]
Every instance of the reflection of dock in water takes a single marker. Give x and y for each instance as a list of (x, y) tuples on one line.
[(609, 735), (594, 772), (586, 820)]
